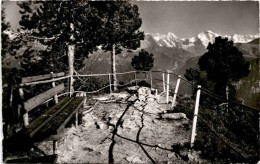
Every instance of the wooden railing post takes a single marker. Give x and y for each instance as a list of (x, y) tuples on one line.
[(176, 90), (55, 96), (25, 116), (167, 87), (151, 78), (109, 78), (163, 82), (135, 79), (195, 117)]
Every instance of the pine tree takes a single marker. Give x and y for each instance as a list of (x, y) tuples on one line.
[(4, 37), (143, 62), (121, 22), (223, 64), (59, 27)]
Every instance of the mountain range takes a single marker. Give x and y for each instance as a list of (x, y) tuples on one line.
[(170, 52)]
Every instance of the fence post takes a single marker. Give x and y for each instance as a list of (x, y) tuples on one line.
[(176, 91), (168, 86), (135, 79), (25, 116), (55, 96), (195, 117), (110, 87), (163, 82), (151, 78)]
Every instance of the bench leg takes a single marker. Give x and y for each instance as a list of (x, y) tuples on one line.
[(81, 114), (76, 119), (55, 145)]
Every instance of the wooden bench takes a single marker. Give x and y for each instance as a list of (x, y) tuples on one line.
[(50, 125)]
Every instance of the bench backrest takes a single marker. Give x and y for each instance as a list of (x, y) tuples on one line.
[(33, 102), (39, 99), (42, 77)]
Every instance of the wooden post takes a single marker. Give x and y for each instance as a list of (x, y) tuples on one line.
[(26, 119), (26, 115), (110, 87), (163, 82), (135, 79), (71, 50), (55, 96), (21, 94), (151, 78), (11, 96), (113, 62), (167, 87), (76, 119), (194, 123), (54, 145), (176, 91), (227, 95)]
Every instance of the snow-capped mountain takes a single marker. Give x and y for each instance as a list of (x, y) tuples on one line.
[(171, 40)]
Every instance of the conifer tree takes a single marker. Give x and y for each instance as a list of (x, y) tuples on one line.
[(223, 63), (121, 21), (56, 26), (4, 37), (143, 62)]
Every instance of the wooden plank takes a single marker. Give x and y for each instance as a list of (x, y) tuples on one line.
[(39, 99), (58, 123), (41, 77), (38, 121), (50, 117), (80, 104), (43, 159)]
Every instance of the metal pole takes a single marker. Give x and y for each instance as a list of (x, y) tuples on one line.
[(194, 123), (176, 91), (168, 86)]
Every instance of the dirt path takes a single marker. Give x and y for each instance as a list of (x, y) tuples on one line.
[(123, 128)]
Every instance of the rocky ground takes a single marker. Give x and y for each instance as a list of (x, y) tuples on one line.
[(127, 128)]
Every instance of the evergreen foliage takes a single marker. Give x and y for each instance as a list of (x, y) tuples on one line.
[(49, 23), (143, 62), (223, 63), (120, 23), (4, 37), (120, 28)]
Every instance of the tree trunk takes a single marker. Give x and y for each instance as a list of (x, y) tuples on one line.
[(71, 69), (71, 49), (113, 62)]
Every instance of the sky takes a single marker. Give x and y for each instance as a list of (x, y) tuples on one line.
[(185, 19)]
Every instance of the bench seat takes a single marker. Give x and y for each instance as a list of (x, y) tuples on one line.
[(53, 121), (44, 159)]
